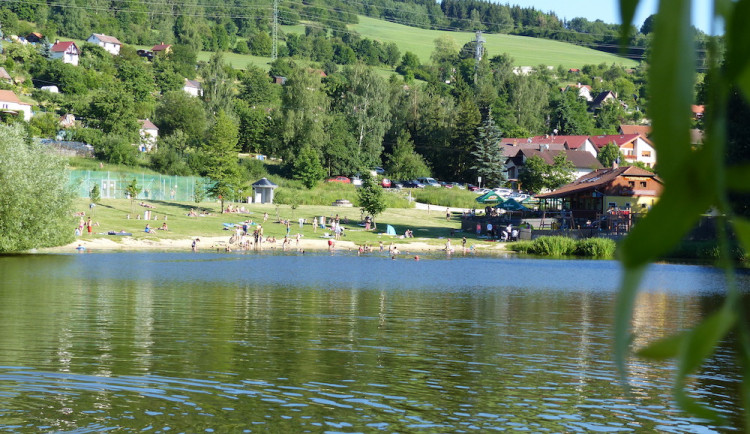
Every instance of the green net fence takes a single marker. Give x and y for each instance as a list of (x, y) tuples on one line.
[(153, 187)]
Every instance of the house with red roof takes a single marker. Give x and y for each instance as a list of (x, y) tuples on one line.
[(109, 43), (67, 51), (630, 189), (161, 48), (9, 103), (634, 147)]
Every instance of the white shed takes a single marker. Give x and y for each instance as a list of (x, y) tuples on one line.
[(263, 191)]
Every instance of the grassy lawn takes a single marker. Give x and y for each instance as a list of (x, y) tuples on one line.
[(111, 214)]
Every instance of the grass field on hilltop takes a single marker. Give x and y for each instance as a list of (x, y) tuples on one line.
[(525, 51)]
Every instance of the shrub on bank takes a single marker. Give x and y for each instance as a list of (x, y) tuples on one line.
[(564, 246), (596, 248)]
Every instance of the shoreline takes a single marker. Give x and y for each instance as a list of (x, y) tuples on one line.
[(211, 244)]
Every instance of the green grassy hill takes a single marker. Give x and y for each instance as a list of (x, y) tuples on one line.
[(525, 51)]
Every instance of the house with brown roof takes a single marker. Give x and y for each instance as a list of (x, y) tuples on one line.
[(161, 48), (34, 37), (644, 130), (583, 162), (109, 43), (67, 51), (634, 147), (9, 103), (4, 76), (626, 188), (509, 146)]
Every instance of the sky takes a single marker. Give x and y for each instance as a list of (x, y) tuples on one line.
[(609, 10)]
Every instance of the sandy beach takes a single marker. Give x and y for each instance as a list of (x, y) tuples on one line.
[(220, 243)]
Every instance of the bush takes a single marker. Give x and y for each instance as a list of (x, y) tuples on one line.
[(564, 246), (596, 248), (554, 246)]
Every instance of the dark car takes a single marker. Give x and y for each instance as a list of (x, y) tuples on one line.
[(472, 187), (412, 184)]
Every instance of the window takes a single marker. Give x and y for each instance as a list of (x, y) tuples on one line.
[(631, 184), (646, 154), (612, 205), (643, 184)]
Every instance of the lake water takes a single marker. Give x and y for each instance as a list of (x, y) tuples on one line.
[(178, 342)]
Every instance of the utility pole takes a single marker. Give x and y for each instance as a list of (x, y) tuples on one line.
[(275, 46), (478, 51)]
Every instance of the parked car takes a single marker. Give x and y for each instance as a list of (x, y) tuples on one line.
[(472, 187), (397, 184), (386, 183), (378, 170), (356, 180), (446, 184), (412, 184), (503, 192), (460, 185), (429, 182), (341, 179)]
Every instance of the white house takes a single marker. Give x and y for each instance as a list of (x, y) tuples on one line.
[(9, 103), (584, 91), (634, 147), (149, 134), (67, 51), (109, 43), (192, 88)]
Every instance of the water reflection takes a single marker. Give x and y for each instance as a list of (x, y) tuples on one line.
[(286, 343)]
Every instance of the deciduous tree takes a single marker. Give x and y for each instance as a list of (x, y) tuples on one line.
[(35, 200)]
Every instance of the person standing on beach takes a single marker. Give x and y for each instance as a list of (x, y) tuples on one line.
[(447, 214), (315, 224), (89, 224), (195, 244)]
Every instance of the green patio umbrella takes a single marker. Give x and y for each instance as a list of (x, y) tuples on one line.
[(490, 197), (512, 205)]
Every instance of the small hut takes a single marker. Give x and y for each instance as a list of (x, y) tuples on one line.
[(263, 191)]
